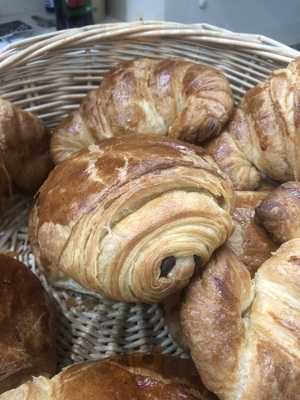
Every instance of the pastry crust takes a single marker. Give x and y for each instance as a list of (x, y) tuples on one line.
[(110, 216), (24, 144), (279, 213), (175, 98), (263, 136), (249, 240), (243, 334), (27, 333), (132, 377)]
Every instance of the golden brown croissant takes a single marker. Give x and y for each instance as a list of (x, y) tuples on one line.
[(280, 212), (24, 149), (27, 334), (263, 137), (126, 217), (132, 377), (249, 240), (173, 97), (243, 334)]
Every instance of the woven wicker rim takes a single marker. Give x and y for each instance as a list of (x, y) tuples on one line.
[(28, 49)]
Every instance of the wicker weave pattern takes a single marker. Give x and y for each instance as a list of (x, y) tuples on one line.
[(49, 75)]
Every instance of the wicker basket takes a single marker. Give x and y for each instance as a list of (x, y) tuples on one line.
[(49, 75)]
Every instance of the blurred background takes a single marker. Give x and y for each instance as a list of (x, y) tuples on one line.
[(278, 19)]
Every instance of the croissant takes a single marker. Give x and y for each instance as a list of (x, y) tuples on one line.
[(279, 213), (127, 216), (243, 334), (27, 326), (262, 139), (132, 377), (249, 240), (24, 150), (175, 98)]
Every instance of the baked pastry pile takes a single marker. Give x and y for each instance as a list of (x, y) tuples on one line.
[(137, 211)]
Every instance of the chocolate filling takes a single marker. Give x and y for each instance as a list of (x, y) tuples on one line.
[(166, 266), (199, 266), (198, 262)]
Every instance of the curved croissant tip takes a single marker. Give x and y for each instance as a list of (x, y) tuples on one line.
[(210, 128), (213, 126)]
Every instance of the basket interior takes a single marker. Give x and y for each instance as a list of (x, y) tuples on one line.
[(53, 85)]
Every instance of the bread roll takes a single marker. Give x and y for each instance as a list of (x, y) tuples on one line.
[(174, 97), (262, 138), (135, 377), (280, 212), (249, 241), (126, 217), (27, 336), (243, 334)]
